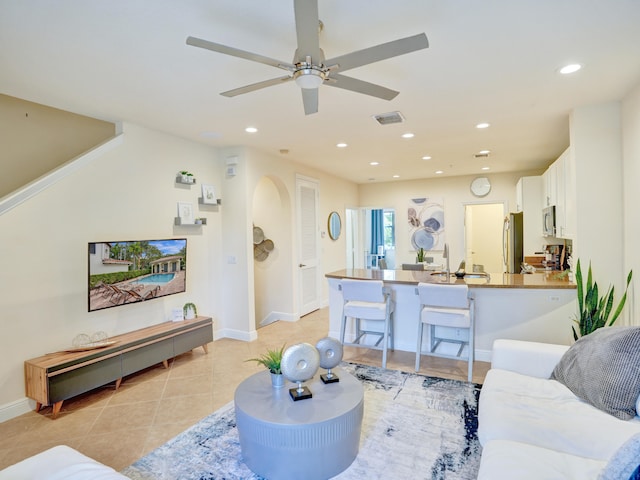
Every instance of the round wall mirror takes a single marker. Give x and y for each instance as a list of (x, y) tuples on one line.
[(335, 225)]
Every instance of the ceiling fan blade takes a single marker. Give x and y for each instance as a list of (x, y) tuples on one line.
[(235, 52), (307, 30), (310, 100), (360, 86), (256, 86), (379, 52)]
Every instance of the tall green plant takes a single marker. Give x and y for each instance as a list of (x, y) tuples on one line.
[(593, 310)]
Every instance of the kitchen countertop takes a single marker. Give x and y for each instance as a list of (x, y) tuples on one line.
[(495, 280)]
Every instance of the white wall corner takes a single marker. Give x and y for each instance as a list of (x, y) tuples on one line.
[(15, 409), (235, 334), (275, 316)]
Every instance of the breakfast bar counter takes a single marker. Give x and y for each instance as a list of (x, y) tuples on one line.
[(536, 307), (546, 280)]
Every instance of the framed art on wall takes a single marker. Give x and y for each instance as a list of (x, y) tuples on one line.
[(209, 194), (185, 212)]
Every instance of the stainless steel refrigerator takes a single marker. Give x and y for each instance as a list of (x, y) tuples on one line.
[(513, 243)]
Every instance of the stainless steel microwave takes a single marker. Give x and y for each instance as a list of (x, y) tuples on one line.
[(549, 221)]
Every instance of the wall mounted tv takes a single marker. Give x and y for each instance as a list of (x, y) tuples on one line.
[(121, 273)]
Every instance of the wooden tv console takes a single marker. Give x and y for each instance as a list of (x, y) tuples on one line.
[(55, 377)]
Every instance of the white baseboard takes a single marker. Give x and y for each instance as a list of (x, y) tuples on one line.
[(235, 334), (15, 409), (275, 316)]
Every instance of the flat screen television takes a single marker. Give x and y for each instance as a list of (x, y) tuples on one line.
[(125, 272)]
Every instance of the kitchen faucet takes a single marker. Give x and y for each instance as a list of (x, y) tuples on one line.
[(445, 254)]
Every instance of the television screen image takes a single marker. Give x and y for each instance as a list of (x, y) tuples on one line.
[(127, 272)]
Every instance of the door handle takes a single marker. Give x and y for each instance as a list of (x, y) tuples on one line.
[(301, 265)]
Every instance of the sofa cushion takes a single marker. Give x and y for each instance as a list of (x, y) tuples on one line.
[(624, 462), (507, 460), (60, 463), (545, 413), (603, 369)]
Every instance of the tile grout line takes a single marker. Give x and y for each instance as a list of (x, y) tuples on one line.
[(157, 409)]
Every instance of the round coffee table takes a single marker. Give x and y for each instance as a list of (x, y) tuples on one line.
[(308, 439)]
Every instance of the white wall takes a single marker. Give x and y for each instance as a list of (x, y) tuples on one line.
[(335, 195), (127, 194), (631, 181), (596, 140), (272, 213), (455, 193)]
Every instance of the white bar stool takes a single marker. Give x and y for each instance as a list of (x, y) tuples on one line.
[(368, 300), (446, 306)]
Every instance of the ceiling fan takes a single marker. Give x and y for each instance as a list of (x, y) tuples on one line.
[(309, 69)]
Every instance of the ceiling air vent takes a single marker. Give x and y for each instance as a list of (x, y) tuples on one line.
[(389, 118)]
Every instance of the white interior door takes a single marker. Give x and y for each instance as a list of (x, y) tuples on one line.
[(308, 234), (483, 236)]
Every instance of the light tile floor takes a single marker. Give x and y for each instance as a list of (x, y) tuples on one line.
[(152, 406)]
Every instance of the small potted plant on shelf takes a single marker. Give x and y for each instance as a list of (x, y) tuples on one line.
[(186, 176), (190, 311), (420, 255), (271, 360)]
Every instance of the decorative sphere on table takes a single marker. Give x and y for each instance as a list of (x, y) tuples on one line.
[(299, 363), (81, 339), (330, 351)]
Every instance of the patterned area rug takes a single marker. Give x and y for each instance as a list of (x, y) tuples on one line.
[(414, 427)]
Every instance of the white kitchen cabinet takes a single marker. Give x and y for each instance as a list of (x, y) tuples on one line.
[(566, 207), (550, 186), (559, 187), (529, 199)]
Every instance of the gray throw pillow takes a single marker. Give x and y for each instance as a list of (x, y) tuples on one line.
[(603, 369), (624, 463)]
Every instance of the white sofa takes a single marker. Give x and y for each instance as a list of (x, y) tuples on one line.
[(532, 427), (60, 463)]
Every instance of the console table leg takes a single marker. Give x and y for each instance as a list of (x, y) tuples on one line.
[(205, 348), (56, 408), (165, 363), (38, 406), (118, 382)]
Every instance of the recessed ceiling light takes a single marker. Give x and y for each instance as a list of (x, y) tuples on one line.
[(483, 125), (341, 145), (439, 172), (408, 135), (486, 168), (484, 152), (396, 176), (251, 129), (572, 68), (374, 163), (426, 157)]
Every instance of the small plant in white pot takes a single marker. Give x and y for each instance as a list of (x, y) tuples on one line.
[(272, 360), (187, 177), (190, 311)]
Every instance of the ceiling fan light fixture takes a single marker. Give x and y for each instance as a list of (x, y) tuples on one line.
[(309, 77)]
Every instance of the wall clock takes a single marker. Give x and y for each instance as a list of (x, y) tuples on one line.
[(480, 186)]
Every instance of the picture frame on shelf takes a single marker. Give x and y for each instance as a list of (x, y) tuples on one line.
[(185, 213), (209, 195)]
